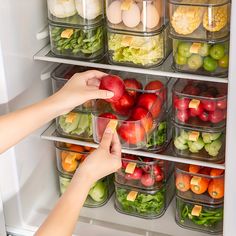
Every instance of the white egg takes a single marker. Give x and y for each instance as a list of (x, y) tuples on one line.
[(131, 17), (114, 12), (150, 17)]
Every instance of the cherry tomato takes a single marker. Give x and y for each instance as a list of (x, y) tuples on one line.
[(147, 167), (147, 180), (196, 111), (181, 103), (204, 116), (209, 105), (183, 115), (128, 157), (157, 171), (191, 90), (216, 116), (221, 104), (160, 177), (137, 174)]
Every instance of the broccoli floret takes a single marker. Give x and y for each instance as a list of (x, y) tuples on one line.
[(178, 142), (209, 137), (196, 146), (214, 148)]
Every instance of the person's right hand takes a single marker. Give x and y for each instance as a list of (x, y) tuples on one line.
[(106, 159)]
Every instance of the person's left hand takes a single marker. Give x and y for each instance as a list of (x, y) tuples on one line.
[(81, 88)]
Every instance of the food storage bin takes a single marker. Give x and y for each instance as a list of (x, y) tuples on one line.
[(75, 12), (60, 77), (200, 184), (139, 49), (200, 19), (148, 204), (80, 42), (138, 112), (136, 16), (199, 104), (143, 172), (76, 125), (200, 217), (199, 144), (98, 195), (205, 58), (69, 156)]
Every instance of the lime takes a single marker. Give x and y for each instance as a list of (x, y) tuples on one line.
[(210, 64), (217, 51), (195, 62), (180, 60), (204, 50), (184, 49), (224, 61)]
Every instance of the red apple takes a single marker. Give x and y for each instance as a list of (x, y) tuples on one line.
[(132, 85)]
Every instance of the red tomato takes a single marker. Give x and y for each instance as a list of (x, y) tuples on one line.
[(181, 103), (134, 85), (150, 102), (102, 122), (191, 90), (204, 116), (158, 86), (221, 104), (137, 174), (147, 167), (160, 177), (183, 115), (209, 105), (196, 111), (142, 114), (147, 180), (123, 105), (129, 157), (216, 116), (131, 132), (115, 84)]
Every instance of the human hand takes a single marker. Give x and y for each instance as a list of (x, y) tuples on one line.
[(81, 88), (106, 159)]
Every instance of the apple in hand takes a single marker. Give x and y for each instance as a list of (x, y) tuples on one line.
[(114, 84)]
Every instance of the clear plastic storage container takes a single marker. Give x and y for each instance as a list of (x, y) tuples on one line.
[(200, 19), (76, 124), (139, 49), (199, 144), (148, 204), (99, 193), (76, 12), (143, 172), (60, 77), (69, 156), (138, 112), (200, 217), (199, 104), (136, 16), (205, 58), (81, 42), (200, 184)]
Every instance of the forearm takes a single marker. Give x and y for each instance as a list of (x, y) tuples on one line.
[(17, 125), (62, 219)]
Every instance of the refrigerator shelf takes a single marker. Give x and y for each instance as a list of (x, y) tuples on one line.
[(168, 155), (164, 70)]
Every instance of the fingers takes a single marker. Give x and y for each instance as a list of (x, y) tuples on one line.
[(90, 74), (93, 82), (115, 145), (108, 134), (100, 94)]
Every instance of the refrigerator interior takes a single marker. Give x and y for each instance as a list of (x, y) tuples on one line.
[(28, 177)]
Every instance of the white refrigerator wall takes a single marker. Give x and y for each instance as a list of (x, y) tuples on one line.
[(20, 22)]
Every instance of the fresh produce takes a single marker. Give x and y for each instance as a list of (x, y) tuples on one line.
[(98, 194), (203, 142), (115, 84), (200, 57), (76, 124), (158, 86), (206, 218), (132, 85), (77, 42), (146, 204), (200, 105), (142, 172), (205, 184), (141, 51)]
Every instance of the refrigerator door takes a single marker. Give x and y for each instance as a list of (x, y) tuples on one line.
[(2, 220)]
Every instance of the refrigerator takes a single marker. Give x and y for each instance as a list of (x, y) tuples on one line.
[(28, 179)]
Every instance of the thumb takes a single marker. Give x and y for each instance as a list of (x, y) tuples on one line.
[(102, 94), (108, 134)]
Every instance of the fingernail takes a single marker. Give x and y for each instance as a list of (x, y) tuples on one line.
[(110, 94), (111, 127)]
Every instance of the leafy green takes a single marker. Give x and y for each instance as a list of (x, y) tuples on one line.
[(144, 204), (135, 49)]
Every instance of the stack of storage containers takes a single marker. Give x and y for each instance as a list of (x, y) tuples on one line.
[(199, 119), (143, 186), (200, 33), (137, 32), (69, 157), (77, 28)]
